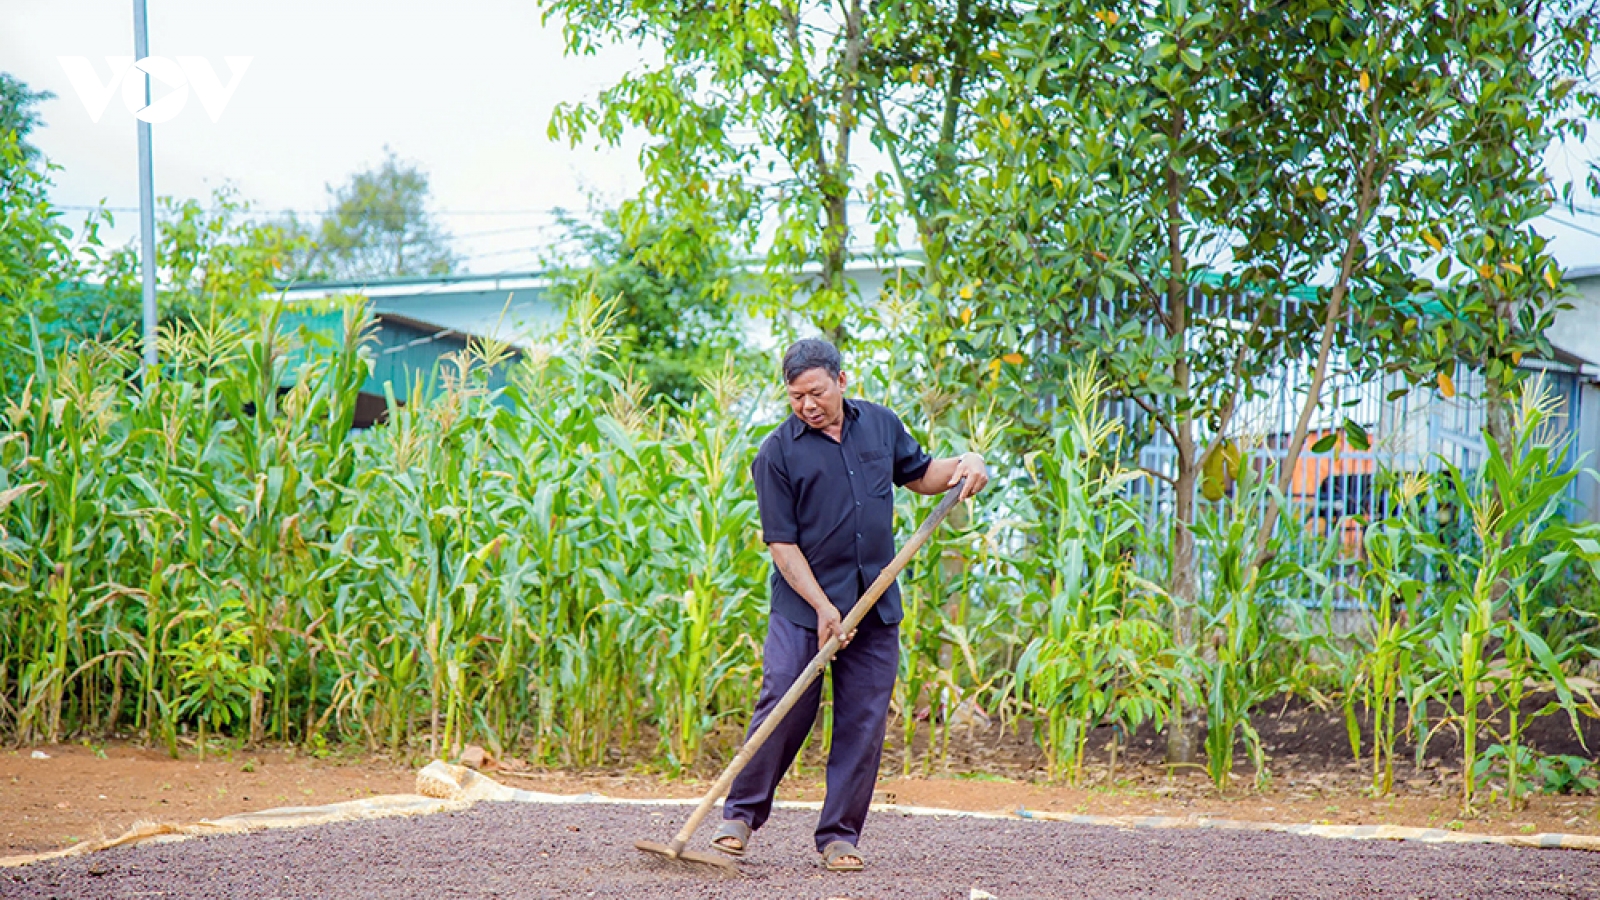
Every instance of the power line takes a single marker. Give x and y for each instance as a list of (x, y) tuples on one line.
[(519, 228), (529, 249), (469, 235), (547, 211), (466, 235)]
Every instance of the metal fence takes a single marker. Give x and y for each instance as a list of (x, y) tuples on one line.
[(1332, 495)]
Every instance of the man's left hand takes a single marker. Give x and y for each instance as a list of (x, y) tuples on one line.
[(971, 467)]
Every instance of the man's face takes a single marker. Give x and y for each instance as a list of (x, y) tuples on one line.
[(818, 398)]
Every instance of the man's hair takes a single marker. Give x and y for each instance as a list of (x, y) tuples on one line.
[(811, 353)]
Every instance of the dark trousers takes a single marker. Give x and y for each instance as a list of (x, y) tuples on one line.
[(863, 682)]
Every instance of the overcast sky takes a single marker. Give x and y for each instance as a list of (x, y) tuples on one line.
[(464, 88)]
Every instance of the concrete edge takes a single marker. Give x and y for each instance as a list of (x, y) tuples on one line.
[(379, 807), (1543, 840)]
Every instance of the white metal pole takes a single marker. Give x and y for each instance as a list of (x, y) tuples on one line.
[(147, 194)]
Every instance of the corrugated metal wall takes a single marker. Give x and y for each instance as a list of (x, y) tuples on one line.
[(1333, 495), (404, 354)]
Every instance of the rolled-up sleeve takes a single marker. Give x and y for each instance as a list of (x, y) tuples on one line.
[(775, 497), (910, 460)]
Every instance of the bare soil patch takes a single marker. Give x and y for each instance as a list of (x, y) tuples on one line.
[(83, 793)]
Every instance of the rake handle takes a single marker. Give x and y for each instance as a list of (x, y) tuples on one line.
[(814, 668)]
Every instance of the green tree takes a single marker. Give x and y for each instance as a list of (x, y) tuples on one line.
[(1193, 197), (756, 115), (677, 318), (212, 261), (303, 259), (1423, 106), (379, 227), (1199, 197), (35, 255), (18, 115), (1494, 284)]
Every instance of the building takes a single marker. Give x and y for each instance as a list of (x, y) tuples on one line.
[(417, 322), (1576, 337), (420, 320)]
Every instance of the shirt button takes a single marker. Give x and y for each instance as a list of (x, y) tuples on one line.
[(858, 502), (852, 472)]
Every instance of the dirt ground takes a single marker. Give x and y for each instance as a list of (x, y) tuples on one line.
[(91, 791), (515, 850)]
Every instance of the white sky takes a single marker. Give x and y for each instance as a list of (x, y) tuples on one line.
[(465, 89)]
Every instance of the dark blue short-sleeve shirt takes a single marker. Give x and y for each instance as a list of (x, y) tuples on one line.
[(835, 500)]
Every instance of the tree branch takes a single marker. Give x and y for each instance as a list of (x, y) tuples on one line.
[(1166, 479), (891, 146), (1156, 416), (1366, 200)]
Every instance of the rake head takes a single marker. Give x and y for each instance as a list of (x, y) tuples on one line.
[(694, 859)]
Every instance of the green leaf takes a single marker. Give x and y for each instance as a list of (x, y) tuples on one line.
[(1356, 435), (618, 437)]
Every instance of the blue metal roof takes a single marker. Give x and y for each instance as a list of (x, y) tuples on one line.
[(418, 322)]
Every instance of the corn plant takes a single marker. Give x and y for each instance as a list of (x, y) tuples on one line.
[(709, 611), (571, 568), (162, 521), (1239, 632), (1490, 600), (1097, 652), (1331, 662), (1388, 666), (70, 435), (215, 680), (12, 578), (946, 669)]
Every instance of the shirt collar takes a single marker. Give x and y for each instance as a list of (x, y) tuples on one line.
[(798, 426)]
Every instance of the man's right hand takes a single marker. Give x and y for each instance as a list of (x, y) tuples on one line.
[(829, 624), (792, 563)]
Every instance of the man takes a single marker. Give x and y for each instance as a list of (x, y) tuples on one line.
[(824, 483)]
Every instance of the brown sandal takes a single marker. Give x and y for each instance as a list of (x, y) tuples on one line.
[(732, 828), (837, 851)]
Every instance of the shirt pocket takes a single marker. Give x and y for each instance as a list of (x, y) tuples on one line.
[(877, 469)]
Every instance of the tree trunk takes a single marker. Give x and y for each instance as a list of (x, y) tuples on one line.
[(1497, 414), (258, 733), (836, 177), (1182, 586), (1308, 406), (925, 197), (1181, 579), (1366, 201)]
